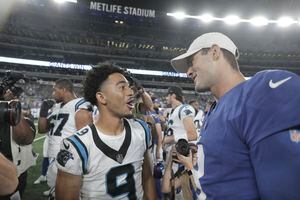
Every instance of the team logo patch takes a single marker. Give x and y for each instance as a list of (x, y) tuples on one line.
[(295, 135), (188, 112), (63, 156)]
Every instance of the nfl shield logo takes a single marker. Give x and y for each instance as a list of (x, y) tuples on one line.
[(295, 135)]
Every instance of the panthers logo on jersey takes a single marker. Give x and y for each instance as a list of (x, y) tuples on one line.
[(110, 166)]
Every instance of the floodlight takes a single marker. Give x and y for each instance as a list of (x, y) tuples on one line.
[(179, 15), (285, 21), (206, 18), (232, 20), (259, 21)]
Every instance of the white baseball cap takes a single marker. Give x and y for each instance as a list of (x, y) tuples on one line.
[(206, 40)]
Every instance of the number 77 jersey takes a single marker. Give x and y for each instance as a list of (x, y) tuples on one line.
[(62, 122)]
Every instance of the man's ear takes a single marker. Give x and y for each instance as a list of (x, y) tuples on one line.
[(216, 52), (101, 98)]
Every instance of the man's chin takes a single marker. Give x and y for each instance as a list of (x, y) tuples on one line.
[(129, 116), (201, 89)]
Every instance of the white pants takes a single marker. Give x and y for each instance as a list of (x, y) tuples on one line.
[(51, 173)]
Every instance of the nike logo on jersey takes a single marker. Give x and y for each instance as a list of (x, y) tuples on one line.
[(278, 83)]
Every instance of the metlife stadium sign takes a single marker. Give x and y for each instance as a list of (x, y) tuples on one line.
[(124, 10)]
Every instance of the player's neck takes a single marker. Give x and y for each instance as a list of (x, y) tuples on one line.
[(175, 103), (226, 84), (69, 97), (110, 125)]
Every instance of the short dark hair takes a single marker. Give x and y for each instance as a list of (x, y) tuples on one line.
[(95, 78), (228, 56), (192, 101), (177, 91), (65, 83)]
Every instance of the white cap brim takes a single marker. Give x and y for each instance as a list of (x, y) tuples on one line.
[(180, 63)]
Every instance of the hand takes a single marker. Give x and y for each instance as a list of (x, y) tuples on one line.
[(49, 103), (46, 105), (187, 161)]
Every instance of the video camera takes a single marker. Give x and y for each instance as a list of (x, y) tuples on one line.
[(10, 111)]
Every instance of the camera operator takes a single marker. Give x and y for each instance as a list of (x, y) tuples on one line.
[(13, 139)]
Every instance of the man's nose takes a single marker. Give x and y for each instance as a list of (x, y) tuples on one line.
[(189, 72)]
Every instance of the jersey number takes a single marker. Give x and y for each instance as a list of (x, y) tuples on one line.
[(114, 188), (64, 118)]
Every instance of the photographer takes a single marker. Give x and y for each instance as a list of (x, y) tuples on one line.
[(14, 134), (182, 179)]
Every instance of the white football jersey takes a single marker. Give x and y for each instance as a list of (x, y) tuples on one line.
[(175, 120), (198, 121), (110, 166), (62, 122), (176, 127)]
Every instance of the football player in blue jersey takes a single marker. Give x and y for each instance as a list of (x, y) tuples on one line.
[(251, 136), (108, 159)]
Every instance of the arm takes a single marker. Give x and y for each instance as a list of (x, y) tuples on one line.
[(148, 180), (43, 125), (83, 117), (159, 141), (67, 186), (276, 164), (146, 100), (8, 176), (190, 128), (24, 132), (166, 181)]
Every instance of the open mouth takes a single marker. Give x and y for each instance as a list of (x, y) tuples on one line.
[(130, 103), (194, 78)]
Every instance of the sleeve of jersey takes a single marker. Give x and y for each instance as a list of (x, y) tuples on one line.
[(271, 105), (186, 111), (83, 104), (147, 130), (73, 156)]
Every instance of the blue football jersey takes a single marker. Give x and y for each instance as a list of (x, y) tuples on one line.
[(251, 140)]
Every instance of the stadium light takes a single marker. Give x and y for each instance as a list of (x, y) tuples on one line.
[(232, 20), (259, 21), (206, 18), (285, 21), (179, 15)]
